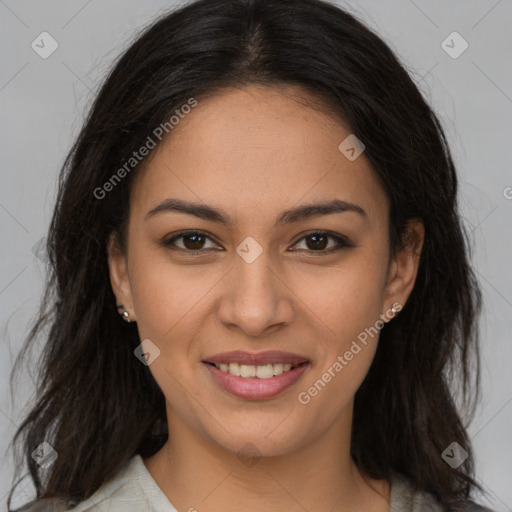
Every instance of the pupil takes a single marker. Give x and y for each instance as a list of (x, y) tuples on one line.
[(319, 241), (195, 245), (316, 246)]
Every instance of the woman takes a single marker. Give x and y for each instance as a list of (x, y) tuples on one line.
[(260, 291)]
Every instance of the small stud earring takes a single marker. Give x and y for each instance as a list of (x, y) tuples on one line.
[(394, 310), (125, 314)]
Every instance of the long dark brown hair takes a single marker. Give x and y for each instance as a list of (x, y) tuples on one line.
[(93, 392)]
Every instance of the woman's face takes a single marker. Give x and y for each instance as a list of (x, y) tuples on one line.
[(267, 274)]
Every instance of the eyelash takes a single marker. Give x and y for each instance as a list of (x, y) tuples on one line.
[(342, 242)]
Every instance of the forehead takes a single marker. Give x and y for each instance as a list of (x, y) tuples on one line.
[(257, 148)]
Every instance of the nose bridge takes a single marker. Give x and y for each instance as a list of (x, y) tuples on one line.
[(254, 281), (255, 298)]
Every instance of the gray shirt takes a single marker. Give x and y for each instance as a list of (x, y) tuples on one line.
[(134, 490)]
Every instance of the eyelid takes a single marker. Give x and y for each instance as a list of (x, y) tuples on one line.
[(168, 242), (342, 242)]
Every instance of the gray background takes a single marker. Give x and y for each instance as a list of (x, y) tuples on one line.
[(43, 103)]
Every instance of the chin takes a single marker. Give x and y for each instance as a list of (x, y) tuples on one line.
[(267, 441)]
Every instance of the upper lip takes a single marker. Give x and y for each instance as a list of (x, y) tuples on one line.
[(256, 358)]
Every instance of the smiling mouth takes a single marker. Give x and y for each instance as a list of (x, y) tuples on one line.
[(264, 371)]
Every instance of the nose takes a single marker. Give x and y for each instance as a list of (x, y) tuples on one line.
[(255, 299)]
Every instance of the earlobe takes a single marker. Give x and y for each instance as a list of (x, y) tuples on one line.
[(404, 266), (119, 278)]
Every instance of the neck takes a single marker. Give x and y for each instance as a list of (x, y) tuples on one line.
[(197, 474)]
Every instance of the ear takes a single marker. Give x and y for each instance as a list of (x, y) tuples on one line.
[(119, 278), (403, 267)]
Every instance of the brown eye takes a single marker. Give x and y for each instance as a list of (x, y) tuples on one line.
[(189, 241), (193, 242), (318, 241)]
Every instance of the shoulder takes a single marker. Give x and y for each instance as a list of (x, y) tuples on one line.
[(45, 505), (404, 498), (122, 493)]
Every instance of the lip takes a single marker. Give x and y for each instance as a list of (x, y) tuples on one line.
[(253, 388), (256, 358)]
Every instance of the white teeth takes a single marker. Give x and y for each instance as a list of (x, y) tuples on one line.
[(247, 371), (278, 369), (234, 369), (265, 371)]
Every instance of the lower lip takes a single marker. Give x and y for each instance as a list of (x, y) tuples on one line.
[(253, 388)]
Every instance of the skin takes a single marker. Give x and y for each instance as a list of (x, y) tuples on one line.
[(255, 152)]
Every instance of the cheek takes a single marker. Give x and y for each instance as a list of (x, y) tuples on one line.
[(348, 301), (346, 349), (168, 299), (166, 296), (346, 298)]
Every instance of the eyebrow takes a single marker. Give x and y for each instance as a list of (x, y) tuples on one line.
[(290, 216)]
